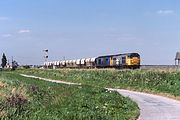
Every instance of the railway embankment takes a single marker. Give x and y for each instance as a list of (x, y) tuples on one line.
[(164, 82), (156, 81), (31, 98), (151, 106)]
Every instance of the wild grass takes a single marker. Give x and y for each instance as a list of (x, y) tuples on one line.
[(155, 81), (27, 98)]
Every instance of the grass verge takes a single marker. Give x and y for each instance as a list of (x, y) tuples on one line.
[(27, 98), (159, 82)]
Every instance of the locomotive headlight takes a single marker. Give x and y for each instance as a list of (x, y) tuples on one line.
[(134, 61)]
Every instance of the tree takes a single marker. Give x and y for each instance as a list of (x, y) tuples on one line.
[(4, 61), (14, 65)]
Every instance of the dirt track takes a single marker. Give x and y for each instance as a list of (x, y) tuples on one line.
[(50, 80)]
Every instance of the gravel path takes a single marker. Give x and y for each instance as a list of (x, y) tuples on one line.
[(153, 107)]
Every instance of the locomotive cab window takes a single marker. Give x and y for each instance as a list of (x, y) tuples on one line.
[(99, 61), (123, 60), (133, 55)]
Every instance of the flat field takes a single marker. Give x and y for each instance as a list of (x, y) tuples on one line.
[(165, 82), (27, 98)]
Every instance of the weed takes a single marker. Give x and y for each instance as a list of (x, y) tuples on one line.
[(159, 81), (35, 99)]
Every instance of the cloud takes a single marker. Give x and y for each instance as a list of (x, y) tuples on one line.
[(165, 12), (24, 31), (6, 35), (4, 18)]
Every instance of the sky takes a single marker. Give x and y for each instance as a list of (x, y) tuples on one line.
[(88, 28)]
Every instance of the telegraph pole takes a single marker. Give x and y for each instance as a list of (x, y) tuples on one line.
[(12, 60), (45, 57)]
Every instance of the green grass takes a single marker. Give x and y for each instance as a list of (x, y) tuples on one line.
[(166, 82), (27, 98)]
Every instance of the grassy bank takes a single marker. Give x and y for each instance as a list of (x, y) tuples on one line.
[(166, 82), (27, 98)]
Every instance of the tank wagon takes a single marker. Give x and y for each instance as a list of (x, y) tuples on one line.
[(127, 60)]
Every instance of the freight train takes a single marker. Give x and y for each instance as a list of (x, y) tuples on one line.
[(127, 60)]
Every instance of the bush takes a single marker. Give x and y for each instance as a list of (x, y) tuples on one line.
[(17, 101)]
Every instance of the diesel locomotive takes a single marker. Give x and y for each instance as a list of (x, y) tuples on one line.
[(127, 60)]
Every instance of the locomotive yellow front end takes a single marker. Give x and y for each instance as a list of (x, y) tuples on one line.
[(133, 60)]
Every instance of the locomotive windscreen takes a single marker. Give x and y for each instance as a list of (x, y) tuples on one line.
[(134, 55)]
